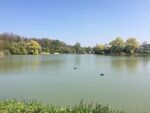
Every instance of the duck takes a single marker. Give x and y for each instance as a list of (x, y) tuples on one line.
[(102, 74), (74, 68)]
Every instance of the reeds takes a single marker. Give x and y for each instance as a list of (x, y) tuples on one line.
[(21, 106)]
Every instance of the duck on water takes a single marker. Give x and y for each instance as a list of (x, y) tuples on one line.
[(102, 74)]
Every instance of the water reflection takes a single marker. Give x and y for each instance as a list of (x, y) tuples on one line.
[(129, 64), (9, 63), (53, 63), (101, 61), (56, 82), (63, 63), (118, 63), (123, 63), (77, 59), (132, 63), (145, 60)]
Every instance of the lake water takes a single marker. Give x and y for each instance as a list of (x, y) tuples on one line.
[(52, 79)]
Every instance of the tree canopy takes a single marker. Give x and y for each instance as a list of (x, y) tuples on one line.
[(117, 46), (33, 47), (99, 49), (14, 44), (131, 46)]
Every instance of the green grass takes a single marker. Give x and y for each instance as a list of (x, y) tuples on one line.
[(21, 106)]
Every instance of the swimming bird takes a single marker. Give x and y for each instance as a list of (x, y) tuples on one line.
[(74, 68), (102, 74)]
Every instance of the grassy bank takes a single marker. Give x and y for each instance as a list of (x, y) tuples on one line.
[(21, 106)]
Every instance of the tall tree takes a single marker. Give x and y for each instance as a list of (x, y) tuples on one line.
[(14, 48), (99, 49), (45, 44), (55, 46), (88, 50), (131, 46), (77, 48), (18, 48), (117, 46), (23, 48)]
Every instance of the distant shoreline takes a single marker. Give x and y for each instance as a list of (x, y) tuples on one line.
[(18, 45), (48, 54)]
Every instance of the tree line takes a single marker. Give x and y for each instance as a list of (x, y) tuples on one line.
[(15, 44)]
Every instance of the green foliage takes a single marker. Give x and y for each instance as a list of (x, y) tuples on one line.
[(117, 46), (10, 42), (14, 44), (66, 50), (88, 50), (78, 48), (45, 44), (14, 48), (23, 47), (55, 46), (131, 46), (45, 49), (33, 47), (99, 49), (18, 48), (20, 106)]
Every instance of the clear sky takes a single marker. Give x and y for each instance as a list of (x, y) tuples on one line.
[(86, 21)]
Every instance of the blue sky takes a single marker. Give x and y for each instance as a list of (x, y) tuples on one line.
[(86, 21)]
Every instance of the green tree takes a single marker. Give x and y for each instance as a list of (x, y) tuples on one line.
[(99, 49), (117, 46), (55, 46), (14, 48), (88, 50), (45, 44), (131, 46), (18, 48), (33, 47), (23, 48), (77, 48)]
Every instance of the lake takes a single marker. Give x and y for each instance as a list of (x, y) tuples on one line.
[(52, 79)]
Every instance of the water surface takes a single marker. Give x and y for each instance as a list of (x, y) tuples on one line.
[(52, 79)]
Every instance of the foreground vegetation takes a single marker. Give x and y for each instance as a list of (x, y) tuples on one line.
[(20, 106), (15, 44)]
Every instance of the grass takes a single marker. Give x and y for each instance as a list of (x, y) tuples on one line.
[(21, 106)]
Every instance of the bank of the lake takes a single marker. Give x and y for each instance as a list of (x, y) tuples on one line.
[(21, 106)]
